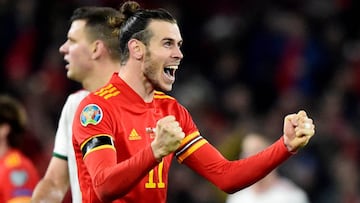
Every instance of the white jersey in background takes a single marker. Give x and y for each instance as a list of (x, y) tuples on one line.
[(283, 191), (63, 147)]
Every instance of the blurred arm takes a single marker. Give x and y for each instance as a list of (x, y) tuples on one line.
[(54, 185)]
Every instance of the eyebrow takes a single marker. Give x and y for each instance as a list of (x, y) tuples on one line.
[(172, 40)]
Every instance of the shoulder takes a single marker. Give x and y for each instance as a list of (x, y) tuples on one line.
[(164, 99), (15, 159), (103, 97), (94, 106), (170, 105), (162, 96), (168, 101), (107, 92), (73, 101), (75, 98), (78, 95)]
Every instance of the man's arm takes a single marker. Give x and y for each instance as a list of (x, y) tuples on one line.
[(231, 176), (55, 183)]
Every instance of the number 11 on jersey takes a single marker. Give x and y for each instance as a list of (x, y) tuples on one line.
[(160, 183)]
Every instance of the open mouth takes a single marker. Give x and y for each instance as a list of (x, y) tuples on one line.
[(170, 70), (65, 63)]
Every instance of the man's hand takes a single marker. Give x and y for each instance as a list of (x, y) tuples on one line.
[(298, 130), (168, 137)]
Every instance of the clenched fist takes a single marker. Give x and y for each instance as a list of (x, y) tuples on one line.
[(298, 130), (168, 137)]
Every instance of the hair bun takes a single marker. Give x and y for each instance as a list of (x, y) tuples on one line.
[(129, 8)]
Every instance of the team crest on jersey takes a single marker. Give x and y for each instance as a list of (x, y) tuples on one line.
[(18, 177), (91, 114)]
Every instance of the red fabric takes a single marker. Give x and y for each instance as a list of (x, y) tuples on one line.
[(231, 176), (127, 171), (125, 117), (18, 176)]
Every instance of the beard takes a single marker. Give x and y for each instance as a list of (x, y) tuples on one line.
[(151, 72)]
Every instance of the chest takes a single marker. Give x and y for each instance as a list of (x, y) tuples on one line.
[(134, 131)]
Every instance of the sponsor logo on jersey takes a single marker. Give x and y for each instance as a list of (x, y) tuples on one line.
[(91, 114), (151, 132), (134, 135)]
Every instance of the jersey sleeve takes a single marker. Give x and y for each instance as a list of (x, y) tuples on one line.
[(93, 135), (193, 140), (64, 131), (231, 176)]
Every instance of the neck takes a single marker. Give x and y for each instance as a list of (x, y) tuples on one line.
[(100, 76), (136, 80)]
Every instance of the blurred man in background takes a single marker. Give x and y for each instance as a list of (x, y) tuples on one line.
[(273, 187), (18, 175), (92, 56)]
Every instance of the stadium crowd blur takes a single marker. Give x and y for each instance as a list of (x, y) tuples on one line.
[(247, 63)]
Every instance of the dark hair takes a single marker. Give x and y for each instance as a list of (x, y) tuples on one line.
[(135, 23), (101, 23), (13, 113)]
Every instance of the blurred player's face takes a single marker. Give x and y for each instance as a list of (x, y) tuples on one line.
[(77, 52), (163, 55), (252, 144)]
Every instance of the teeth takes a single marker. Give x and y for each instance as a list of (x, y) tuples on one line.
[(172, 67), (170, 70)]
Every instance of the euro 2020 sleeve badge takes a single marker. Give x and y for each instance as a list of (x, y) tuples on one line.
[(91, 114)]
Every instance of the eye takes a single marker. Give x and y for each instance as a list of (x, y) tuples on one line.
[(180, 45), (167, 44)]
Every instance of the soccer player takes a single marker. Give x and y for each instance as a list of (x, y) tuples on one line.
[(92, 53), (126, 134), (18, 174)]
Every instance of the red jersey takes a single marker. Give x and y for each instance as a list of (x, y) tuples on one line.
[(18, 177), (112, 136)]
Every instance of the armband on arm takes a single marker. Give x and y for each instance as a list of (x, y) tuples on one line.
[(100, 158)]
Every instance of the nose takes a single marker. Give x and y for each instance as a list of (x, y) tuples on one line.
[(62, 48), (178, 53)]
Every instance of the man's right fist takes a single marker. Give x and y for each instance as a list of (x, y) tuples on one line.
[(168, 137)]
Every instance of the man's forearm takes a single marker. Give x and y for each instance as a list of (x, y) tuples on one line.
[(47, 191)]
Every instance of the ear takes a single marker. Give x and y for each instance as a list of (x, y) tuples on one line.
[(136, 49), (97, 49)]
